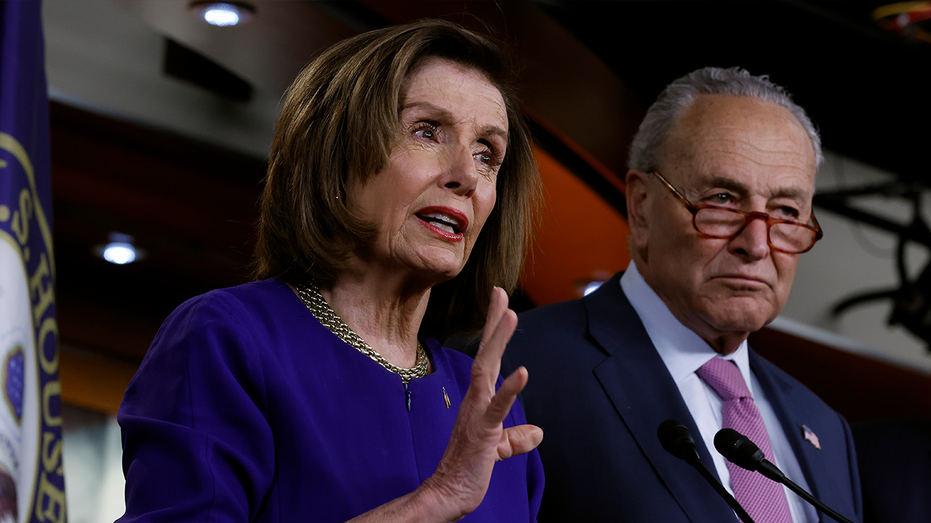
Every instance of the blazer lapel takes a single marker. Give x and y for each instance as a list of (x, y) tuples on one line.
[(644, 395)]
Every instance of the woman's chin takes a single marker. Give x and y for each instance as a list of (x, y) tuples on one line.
[(439, 270)]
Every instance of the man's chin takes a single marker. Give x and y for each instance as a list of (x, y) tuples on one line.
[(739, 316)]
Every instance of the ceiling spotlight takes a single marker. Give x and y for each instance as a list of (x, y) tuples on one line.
[(586, 286), (911, 20), (591, 287), (120, 249), (223, 14)]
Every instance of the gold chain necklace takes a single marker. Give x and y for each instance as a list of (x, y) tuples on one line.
[(318, 306)]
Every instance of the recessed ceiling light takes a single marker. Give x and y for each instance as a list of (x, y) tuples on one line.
[(591, 287), (223, 14), (120, 249)]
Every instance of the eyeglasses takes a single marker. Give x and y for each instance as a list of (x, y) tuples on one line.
[(722, 223)]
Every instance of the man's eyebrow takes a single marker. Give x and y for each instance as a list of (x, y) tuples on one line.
[(716, 180), (791, 192)]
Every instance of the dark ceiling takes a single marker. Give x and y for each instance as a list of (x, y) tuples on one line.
[(865, 87)]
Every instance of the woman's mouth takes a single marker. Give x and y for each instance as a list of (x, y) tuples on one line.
[(445, 221), (441, 222)]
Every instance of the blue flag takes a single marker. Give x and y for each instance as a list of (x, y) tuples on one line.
[(31, 473)]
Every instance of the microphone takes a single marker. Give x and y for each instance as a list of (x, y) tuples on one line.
[(739, 450), (677, 440)]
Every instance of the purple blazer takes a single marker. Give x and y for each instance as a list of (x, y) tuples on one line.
[(246, 408)]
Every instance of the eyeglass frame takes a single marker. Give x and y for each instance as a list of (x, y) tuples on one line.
[(748, 217)]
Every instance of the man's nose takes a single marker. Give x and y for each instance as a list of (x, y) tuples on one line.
[(753, 240)]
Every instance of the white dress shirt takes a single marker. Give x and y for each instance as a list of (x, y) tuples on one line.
[(683, 352)]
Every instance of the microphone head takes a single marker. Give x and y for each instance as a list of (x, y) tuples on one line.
[(738, 449), (677, 440)]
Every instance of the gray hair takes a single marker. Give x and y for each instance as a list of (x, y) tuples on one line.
[(679, 94)]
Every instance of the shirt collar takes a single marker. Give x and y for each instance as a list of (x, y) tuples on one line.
[(681, 350)]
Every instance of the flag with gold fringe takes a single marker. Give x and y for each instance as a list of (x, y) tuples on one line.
[(31, 474)]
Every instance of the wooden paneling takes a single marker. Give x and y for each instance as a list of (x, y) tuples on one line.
[(858, 387), (580, 238), (189, 205)]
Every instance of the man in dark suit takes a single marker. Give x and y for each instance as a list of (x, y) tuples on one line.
[(719, 196)]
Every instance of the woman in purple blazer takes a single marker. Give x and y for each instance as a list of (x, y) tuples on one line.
[(396, 211)]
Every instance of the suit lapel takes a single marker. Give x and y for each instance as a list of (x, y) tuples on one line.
[(644, 395), (793, 412)]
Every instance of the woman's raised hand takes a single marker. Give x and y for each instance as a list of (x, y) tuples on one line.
[(478, 438)]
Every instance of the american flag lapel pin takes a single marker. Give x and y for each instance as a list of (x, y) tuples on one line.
[(810, 437)]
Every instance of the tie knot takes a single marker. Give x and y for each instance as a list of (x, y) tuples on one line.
[(724, 377)]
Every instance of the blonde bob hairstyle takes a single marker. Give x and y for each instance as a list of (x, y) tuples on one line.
[(341, 118)]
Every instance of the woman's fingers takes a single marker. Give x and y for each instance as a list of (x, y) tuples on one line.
[(519, 440), (497, 304), (502, 401), (499, 327), (479, 438), (497, 312), (514, 440)]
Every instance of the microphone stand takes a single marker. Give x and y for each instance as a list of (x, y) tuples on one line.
[(741, 451), (677, 440), (710, 478), (813, 500)]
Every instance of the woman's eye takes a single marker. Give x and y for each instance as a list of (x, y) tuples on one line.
[(427, 131), (488, 154), (488, 163)]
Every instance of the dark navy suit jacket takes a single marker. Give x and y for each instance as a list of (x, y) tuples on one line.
[(599, 390)]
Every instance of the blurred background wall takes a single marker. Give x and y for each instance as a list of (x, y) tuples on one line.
[(161, 124)]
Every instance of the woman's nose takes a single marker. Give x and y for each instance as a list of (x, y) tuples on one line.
[(461, 174)]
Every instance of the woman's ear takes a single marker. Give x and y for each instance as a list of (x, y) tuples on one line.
[(638, 202)]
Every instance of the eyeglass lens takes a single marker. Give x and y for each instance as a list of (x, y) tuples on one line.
[(724, 223)]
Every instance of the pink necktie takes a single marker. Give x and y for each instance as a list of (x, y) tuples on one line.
[(762, 498)]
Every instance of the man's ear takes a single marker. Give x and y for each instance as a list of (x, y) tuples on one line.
[(638, 202)]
